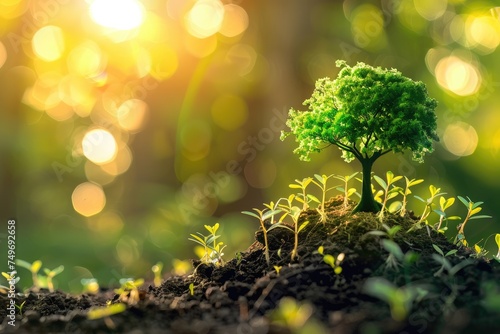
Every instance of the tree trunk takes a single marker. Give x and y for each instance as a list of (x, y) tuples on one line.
[(367, 202)]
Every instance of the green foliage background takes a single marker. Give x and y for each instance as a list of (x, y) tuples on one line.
[(210, 146)]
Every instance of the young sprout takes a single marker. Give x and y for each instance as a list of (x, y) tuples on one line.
[(156, 269), (129, 290), (11, 280), (51, 274), (400, 299), (331, 261), (212, 248), (294, 316), (321, 181), (33, 268), (389, 192), (407, 191), (345, 189), (20, 307), (480, 252), (262, 216), (389, 232), (278, 269), (435, 192), (191, 289), (294, 213), (472, 210), (441, 258), (302, 185), (90, 285), (443, 205)]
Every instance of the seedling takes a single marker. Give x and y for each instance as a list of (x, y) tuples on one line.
[(34, 268), (20, 307), (292, 315), (191, 289), (239, 258), (212, 248), (90, 285), (445, 262), (441, 258), (294, 213), (278, 269), (443, 205), (389, 192), (129, 290), (366, 112), (11, 280), (406, 192), (51, 274), (345, 189), (479, 252), (262, 216), (472, 210), (321, 181), (156, 269), (302, 185), (331, 261), (435, 192), (389, 232), (400, 299)]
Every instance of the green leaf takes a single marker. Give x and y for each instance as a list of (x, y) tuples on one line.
[(302, 226), (313, 198), (420, 199), (58, 270), (497, 239), (393, 248), (475, 210), (438, 249), (465, 202), (380, 181), (250, 214), (414, 182), (453, 251), (23, 264), (330, 260), (321, 249), (270, 213), (475, 205), (439, 212), (294, 186), (480, 217)]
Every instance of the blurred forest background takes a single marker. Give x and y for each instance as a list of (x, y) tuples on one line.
[(127, 125)]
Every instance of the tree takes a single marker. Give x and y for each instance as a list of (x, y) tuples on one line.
[(366, 112)]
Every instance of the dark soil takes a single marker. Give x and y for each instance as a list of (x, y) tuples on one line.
[(244, 296)]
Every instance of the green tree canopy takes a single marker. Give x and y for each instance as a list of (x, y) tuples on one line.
[(366, 112)]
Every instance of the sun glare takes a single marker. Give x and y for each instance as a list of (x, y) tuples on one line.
[(117, 14)]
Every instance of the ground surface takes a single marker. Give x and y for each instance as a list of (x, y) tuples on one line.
[(248, 296)]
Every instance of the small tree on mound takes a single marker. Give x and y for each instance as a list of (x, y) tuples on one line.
[(366, 112)]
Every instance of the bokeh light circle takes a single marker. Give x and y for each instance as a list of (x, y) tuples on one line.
[(88, 199), (99, 146), (460, 139), (48, 43), (458, 76), (117, 14), (205, 18)]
